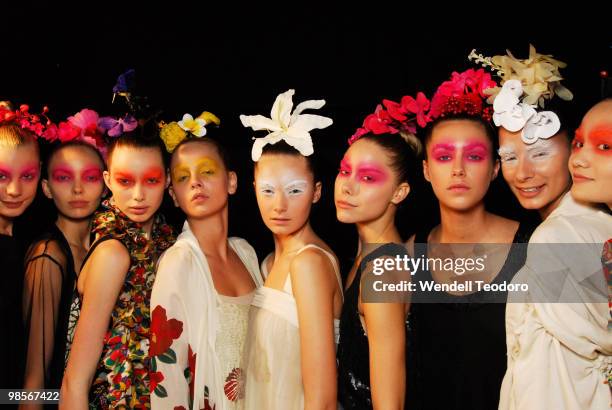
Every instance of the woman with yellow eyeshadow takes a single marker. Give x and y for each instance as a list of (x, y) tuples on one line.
[(205, 282)]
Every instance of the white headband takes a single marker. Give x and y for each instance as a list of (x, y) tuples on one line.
[(294, 128)]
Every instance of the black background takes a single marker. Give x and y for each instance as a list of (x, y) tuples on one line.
[(231, 59)]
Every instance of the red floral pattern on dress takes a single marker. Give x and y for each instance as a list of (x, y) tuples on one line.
[(163, 331), (233, 385)]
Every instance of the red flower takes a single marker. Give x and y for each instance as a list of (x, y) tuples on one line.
[(191, 358), (179, 408), (154, 379), (67, 131), (418, 107), (379, 122), (163, 331)]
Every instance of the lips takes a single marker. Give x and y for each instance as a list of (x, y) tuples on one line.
[(530, 192), (199, 197), (459, 187), (78, 204), (139, 210), (344, 205), (12, 205), (280, 221), (580, 178)]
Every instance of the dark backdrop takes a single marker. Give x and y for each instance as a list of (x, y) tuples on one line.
[(232, 59)]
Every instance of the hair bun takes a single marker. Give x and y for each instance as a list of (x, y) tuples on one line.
[(412, 140)]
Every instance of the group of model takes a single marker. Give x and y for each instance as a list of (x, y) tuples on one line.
[(135, 317)]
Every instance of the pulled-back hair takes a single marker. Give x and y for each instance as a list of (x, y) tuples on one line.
[(282, 148)]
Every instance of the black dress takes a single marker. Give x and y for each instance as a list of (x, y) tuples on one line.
[(461, 347), (353, 351), (46, 278), (11, 340)]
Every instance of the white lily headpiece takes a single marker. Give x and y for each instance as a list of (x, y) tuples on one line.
[(525, 85), (293, 128)]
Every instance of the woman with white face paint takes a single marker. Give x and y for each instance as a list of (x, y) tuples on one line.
[(290, 355), (549, 339)]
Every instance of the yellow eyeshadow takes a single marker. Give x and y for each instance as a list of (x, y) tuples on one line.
[(206, 165)]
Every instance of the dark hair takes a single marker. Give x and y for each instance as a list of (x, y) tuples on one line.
[(58, 147), (567, 114), (282, 148), (489, 128), (144, 136), (404, 151)]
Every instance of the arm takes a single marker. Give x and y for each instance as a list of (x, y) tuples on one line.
[(314, 284), (385, 323), (41, 297), (105, 274), (169, 332)]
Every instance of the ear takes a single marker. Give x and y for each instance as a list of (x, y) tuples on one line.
[(45, 188), (426, 171), (232, 182), (496, 166), (401, 192), (173, 196), (317, 192), (107, 179)]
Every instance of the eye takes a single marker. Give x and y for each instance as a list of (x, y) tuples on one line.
[(3, 177), (603, 147), (367, 178), (474, 157), (62, 178), (444, 158), (152, 181), (540, 154), (343, 172), (182, 178), (27, 177), (294, 191), (577, 144), (92, 178), (207, 172), (124, 181), (508, 158)]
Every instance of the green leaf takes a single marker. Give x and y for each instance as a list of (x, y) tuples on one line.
[(168, 357), (153, 365), (187, 373), (160, 391)]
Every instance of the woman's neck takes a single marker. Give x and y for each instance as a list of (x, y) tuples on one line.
[(294, 241), (6, 226), (462, 226), (76, 231), (211, 233), (381, 230)]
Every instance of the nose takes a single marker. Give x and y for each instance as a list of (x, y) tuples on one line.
[(280, 202), (77, 188), (579, 159), (458, 166), (138, 194), (524, 170), (348, 186), (14, 187), (195, 182)]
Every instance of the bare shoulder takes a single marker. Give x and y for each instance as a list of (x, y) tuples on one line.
[(111, 254), (312, 266)]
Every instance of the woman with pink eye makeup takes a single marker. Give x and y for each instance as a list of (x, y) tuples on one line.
[(108, 364), (375, 365), (72, 178), (460, 335), (290, 351), (19, 174)]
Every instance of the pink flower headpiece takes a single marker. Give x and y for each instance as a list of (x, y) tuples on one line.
[(88, 127), (464, 93), (39, 124), (392, 117)]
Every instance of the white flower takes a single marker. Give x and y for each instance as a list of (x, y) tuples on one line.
[(294, 128), (196, 126)]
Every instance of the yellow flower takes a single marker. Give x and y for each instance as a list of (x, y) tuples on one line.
[(172, 135), (209, 117)]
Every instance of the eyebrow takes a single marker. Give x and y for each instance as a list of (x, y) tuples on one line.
[(296, 182), (506, 150), (447, 146)]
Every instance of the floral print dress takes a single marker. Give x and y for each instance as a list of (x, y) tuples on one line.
[(122, 377)]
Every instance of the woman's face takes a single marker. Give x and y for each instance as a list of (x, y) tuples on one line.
[(75, 181), (200, 181), (459, 163), (366, 185), (285, 192), (137, 179), (19, 173), (536, 173), (591, 160)]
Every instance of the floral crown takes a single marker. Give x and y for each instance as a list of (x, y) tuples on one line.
[(292, 127), (173, 133), (464, 93), (526, 84), (38, 124)]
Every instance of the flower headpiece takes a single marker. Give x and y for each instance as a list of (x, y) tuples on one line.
[(402, 117), (526, 84), (39, 124), (173, 133), (462, 94), (293, 128)]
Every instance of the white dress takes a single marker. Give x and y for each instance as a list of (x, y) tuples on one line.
[(197, 334), (559, 353), (272, 352)]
